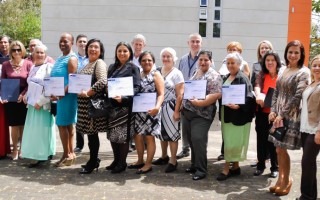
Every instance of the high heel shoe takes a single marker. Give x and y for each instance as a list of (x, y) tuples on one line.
[(98, 162), (283, 192), (112, 165), (15, 155), (64, 162), (88, 170)]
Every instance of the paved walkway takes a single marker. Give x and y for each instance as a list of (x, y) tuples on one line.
[(17, 181)]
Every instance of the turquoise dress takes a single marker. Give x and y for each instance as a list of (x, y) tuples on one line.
[(66, 106)]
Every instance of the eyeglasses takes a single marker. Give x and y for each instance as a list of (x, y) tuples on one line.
[(15, 50)]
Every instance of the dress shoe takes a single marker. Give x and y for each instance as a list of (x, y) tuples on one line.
[(98, 162), (198, 177), (119, 168), (88, 171), (258, 172), (170, 168), (112, 165), (77, 150), (161, 161), (235, 172), (183, 154), (274, 174), (135, 166), (140, 171), (283, 192), (35, 164), (223, 177), (191, 170), (221, 157)]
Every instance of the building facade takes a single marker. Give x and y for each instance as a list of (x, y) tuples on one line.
[(169, 23)]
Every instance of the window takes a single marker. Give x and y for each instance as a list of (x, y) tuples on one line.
[(203, 28), (216, 30), (217, 3), (216, 15), (203, 13), (203, 3)]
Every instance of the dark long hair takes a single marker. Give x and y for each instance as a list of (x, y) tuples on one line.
[(101, 56), (295, 43), (126, 44), (263, 61)]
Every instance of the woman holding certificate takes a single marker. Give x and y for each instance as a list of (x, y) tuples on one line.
[(170, 111), (147, 125), (235, 117), (285, 111), (198, 114), (67, 105), (120, 124), (86, 125), (39, 138), (15, 70)]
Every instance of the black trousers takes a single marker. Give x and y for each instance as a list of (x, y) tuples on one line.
[(308, 186), (94, 145), (79, 139), (265, 149)]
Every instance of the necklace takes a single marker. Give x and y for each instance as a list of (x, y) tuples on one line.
[(16, 66), (165, 74)]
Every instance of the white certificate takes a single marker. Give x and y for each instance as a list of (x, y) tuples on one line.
[(79, 83), (120, 86), (195, 89), (34, 93), (233, 94), (53, 86), (142, 102)]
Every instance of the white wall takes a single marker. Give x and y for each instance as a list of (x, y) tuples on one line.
[(166, 23)]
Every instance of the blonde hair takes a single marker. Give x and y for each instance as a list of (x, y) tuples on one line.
[(317, 57), (17, 43), (235, 44), (267, 42)]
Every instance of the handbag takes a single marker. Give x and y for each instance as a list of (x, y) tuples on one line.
[(279, 131), (53, 108), (99, 104)]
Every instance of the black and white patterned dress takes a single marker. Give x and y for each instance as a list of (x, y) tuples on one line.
[(144, 123), (85, 124), (170, 129)]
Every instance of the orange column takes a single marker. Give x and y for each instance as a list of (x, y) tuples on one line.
[(299, 25)]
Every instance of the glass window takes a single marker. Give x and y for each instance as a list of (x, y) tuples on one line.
[(216, 30), (217, 3), (203, 29), (216, 15), (203, 3)]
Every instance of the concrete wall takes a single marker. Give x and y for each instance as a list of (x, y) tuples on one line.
[(166, 23)]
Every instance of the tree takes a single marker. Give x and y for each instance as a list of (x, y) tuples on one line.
[(316, 6), (315, 29), (20, 19)]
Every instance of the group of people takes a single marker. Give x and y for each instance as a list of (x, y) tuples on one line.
[(172, 116)]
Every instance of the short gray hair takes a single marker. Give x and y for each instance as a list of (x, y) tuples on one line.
[(171, 51), (236, 56), (139, 37), (40, 46)]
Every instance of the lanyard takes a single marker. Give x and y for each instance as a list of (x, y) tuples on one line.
[(190, 66)]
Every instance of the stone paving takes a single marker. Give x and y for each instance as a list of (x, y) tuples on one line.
[(17, 181)]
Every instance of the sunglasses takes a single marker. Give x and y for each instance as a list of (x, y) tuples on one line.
[(15, 50)]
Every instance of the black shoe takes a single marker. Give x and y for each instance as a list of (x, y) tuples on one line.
[(183, 154), (191, 170), (36, 164), (170, 168), (221, 157), (112, 165), (50, 157), (235, 172), (98, 163), (119, 168), (254, 165), (135, 166), (161, 161), (198, 177), (77, 150), (223, 177), (274, 174), (258, 172), (140, 171)]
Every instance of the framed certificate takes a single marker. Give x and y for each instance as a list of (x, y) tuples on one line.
[(142, 102), (233, 94), (10, 89), (120, 86), (79, 83), (195, 89), (53, 86)]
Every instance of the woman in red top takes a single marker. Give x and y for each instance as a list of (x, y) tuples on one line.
[(266, 79), (16, 68)]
